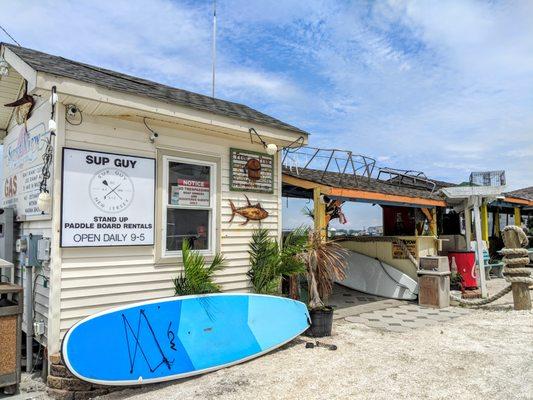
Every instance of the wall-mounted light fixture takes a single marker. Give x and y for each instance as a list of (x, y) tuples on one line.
[(272, 148), (52, 125)]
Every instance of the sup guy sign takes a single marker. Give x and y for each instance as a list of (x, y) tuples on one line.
[(108, 199)]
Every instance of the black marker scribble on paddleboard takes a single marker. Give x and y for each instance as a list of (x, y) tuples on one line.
[(170, 335), (138, 344)]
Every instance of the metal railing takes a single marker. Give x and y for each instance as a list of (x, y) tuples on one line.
[(343, 162), (404, 177)]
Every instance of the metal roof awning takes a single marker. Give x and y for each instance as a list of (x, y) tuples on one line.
[(370, 190)]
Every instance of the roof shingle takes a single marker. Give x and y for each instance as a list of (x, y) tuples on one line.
[(63, 67)]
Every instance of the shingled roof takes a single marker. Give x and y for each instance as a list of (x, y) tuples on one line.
[(63, 67), (333, 179), (524, 193)]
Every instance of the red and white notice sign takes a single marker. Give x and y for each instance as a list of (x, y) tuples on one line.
[(191, 193)]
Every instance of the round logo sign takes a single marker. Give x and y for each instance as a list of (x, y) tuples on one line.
[(111, 190)]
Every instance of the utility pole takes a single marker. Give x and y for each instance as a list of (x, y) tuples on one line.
[(214, 43)]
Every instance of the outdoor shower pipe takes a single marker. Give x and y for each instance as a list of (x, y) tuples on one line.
[(28, 312)]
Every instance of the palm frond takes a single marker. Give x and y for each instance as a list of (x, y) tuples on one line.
[(196, 278), (308, 212), (269, 262), (326, 262)]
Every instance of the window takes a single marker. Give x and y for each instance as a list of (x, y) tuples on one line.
[(188, 205)]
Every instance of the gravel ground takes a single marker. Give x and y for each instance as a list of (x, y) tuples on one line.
[(484, 355)]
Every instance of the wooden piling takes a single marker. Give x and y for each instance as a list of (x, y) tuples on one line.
[(521, 294)]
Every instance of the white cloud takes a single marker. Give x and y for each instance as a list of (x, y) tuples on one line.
[(443, 87)]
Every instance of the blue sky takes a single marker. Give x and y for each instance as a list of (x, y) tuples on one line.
[(442, 87)]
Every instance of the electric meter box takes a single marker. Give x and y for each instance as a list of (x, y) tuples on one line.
[(43, 249), (6, 234), (28, 247)]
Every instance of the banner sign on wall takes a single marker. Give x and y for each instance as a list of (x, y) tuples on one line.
[(398, 253), (251, 171), (108, 199), (22, 170)]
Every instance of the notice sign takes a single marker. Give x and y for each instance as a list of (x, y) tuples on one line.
[(190, 192), (251, 171), (108, 199)]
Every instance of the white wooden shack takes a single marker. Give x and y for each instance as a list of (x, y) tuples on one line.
[(189, 136)]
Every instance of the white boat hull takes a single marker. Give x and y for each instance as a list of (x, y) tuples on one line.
[(372, 276)]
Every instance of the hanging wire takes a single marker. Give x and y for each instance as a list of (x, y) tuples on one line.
[(47, 158), (11, 37), (252, 132), (150, 129), (154, 134), (48, 153), (294, 145)]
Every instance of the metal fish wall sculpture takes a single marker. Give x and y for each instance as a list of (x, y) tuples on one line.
[(253, 212)]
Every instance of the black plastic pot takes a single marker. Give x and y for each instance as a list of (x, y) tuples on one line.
[(321, 322)]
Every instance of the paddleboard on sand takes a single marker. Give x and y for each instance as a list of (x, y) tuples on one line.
[(372, 276), (175, 337)]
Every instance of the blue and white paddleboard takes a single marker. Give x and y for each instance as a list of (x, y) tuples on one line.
[(175, 337)]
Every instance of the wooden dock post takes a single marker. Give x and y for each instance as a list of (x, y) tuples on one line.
[(516, 258)]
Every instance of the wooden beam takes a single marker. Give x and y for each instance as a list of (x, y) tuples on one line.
[(319, 213), (431, 216), (433, 224), (517, 217), (517, 200), (496, 223), (362, 194), (484, 222)]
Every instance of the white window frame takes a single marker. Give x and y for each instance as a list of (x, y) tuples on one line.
[(212, 204)]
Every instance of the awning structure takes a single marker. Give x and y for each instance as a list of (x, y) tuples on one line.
[(301, 184), (521, 198), (341, 175)]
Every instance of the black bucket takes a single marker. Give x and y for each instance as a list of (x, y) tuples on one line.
[(321, 322)]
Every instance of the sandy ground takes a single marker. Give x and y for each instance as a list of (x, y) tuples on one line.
[(487, 354)]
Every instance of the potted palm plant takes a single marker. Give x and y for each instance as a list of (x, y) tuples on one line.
[(325, 263), (196, 277), (269, 261)]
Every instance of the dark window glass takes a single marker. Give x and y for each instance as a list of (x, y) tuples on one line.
[(187, 224)]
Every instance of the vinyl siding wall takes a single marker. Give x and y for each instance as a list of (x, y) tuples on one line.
[(94, 279)]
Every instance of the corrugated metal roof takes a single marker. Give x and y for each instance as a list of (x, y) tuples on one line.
[(113, 80)]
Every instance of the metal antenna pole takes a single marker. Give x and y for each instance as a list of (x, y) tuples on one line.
[(214, 52)]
